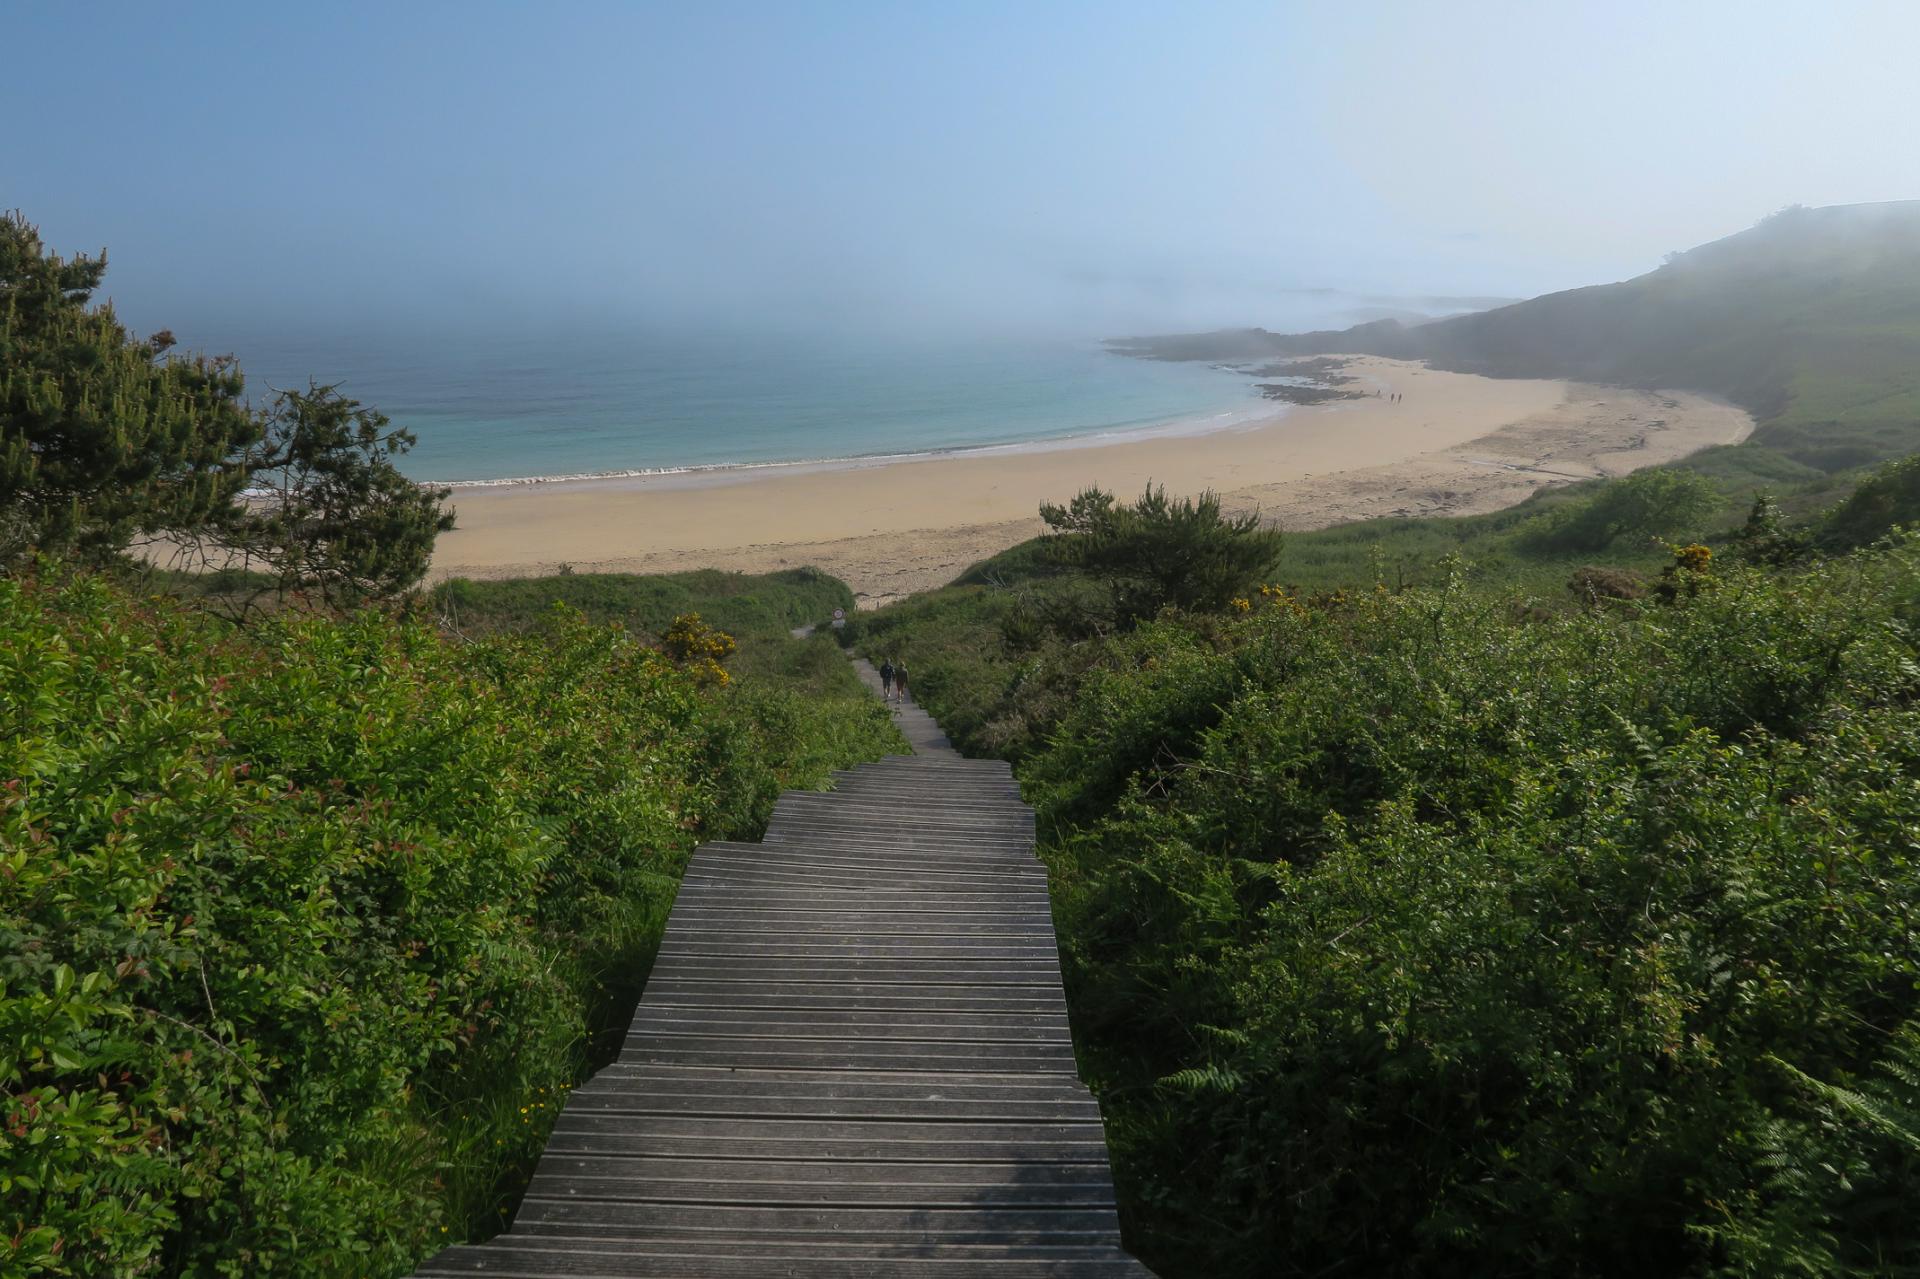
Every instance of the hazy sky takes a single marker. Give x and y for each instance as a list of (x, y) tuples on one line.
[(1088, 168)]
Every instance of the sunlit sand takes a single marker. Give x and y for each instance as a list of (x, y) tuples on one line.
[(1454, 444)]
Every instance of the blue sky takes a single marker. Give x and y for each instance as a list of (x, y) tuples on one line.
[(1078, 167)]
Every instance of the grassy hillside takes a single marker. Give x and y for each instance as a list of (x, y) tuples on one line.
[(1453, 922), (759, 610), (741, 603), (1810, 321), (984, 653)]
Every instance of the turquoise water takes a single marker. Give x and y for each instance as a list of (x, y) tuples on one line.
[(513, 406)]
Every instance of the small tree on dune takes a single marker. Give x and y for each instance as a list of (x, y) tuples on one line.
[(331, 513), (1162, 552)]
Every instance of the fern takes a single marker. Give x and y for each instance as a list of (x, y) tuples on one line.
[(1203, 1080)]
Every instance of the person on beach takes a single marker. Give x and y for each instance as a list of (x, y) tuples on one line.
[(900, 681), (886, 680)]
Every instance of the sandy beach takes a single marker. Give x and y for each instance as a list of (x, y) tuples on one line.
[(1454, 444)]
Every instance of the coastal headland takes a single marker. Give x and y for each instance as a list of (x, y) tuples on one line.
[(1451, 444)]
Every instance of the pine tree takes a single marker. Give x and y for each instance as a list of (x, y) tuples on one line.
[(103, 436)]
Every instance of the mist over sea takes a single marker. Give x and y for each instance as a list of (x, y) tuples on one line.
[(496, 407)]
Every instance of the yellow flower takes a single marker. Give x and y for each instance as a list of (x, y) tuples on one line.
[(1243, 605)]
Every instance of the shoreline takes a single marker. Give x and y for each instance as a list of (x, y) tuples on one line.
[(1457, 444), (1257, 414)]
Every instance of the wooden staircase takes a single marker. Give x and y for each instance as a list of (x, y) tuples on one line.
[(852, 1059)]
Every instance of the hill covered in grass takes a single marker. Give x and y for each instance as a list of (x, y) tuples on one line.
[(1809, 320), (759, 610), (1423, 916)]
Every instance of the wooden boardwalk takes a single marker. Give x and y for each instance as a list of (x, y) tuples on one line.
[(852, 1059)]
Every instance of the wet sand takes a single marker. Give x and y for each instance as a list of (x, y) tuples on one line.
[(1456, 444)]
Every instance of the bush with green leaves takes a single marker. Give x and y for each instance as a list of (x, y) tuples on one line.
[(1659, 502), (1411, 934), (305, 928), (1160, 552), (1887, 498)]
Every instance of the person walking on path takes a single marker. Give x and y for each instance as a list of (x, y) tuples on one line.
[(886, 680), (900, 681)]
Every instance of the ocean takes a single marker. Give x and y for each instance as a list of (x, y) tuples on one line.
[(509, 406)]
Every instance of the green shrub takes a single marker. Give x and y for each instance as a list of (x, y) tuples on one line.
[(1885, 499), (1646, 504), (304, 929), (1414, 937), (1161, 552)]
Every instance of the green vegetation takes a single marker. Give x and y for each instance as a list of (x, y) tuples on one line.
[(759, 610), (1643, 506), (1159, 552), (306, 926), (1887, 498), (1434, 918), (800, 695)]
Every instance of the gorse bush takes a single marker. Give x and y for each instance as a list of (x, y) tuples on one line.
[(699, 649), (304, 929)]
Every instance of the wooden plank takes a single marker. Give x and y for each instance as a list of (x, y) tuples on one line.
[(850, 1055), (1077, 1133), (973, 1021), (947, 1150), (754, 992), (876, 810), (937, 927), (608, 1100), (1008, 888), (1000, 1192), (799, 844), (862, 1035), (903, 834), (852, 1059), (818, 897), (880, 813), (859, 1041), (903, 943), (513, 1257), (917, 1083), (859, 947), (629, 1221), (844, 1173), (868, 869), (985, 972)]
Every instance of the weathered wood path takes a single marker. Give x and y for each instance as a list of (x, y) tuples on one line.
[(852, 1059)]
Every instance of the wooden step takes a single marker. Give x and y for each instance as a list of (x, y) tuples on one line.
[(852, 1059)]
